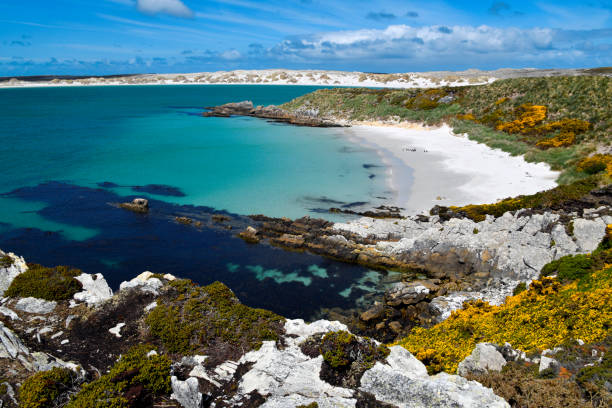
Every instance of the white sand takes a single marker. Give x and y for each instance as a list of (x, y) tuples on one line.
[(448, 169), (277, 77)]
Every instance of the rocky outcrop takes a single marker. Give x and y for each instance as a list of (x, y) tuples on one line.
[(271, 112), (11, 265), (138, 205), (95, 289), (484, 358)]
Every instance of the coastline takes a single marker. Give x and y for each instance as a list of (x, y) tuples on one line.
[(434, 166)]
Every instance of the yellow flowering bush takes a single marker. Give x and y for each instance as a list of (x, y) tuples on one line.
[(544, 316), (596, 163), (563, 139), (528, 116)]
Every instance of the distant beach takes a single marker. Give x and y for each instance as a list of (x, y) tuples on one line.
[(433, 166)]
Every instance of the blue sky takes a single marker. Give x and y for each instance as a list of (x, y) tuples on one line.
[(135, 36)]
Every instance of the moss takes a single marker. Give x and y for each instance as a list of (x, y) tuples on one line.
[(195, 318), (521, 287), (6, 261), (45, 283), (475, 231), (311, 405), (44, 388), (134, 380)]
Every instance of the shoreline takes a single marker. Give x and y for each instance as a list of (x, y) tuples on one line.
[(434, 166)]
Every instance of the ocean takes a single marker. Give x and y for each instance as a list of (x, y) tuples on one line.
[(67, 152)]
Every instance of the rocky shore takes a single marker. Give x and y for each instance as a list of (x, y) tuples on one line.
[(84, 336), (271, 112), (445, 258)]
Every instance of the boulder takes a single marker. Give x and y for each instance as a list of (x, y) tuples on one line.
[(145, 282), (95, 289), (588, 233), (546, 363), (186, 392), (8, 273), (35, 306), (408, 293), (139, 205), (484, 358)]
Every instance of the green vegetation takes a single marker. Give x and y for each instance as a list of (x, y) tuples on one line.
[(596, 380), (556, 120), (5, 261), (550, 313), (45, 283), (311, 405), (195, 318), (44, 388), (341, 349), (552, 198), (135, 378)]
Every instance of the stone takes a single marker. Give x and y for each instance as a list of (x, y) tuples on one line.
[(9, 313), (117, 329), (138, 205), (35, 306), (186, 392), (373, 313), (95, 289), (546, 363), (407, 293), (441, 391), (7, 274), (484, 358), (145, 282), (588, 233)]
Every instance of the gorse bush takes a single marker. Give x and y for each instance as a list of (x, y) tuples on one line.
[(45, 283), (546, 315)]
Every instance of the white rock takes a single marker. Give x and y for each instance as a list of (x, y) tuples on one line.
[(95, 291), (150, 306), (299, 328), (35, 306), (546, 362), (589, 233), (144, 282), (186, 392), (8, 274), (484, 358), (9, 313), (117, 329)]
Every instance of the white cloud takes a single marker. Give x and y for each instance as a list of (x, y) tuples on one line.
[(172, 7), (231, 55)]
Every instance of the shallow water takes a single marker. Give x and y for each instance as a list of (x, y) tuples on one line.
[(67, 152)]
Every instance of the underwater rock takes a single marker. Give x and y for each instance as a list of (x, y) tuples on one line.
[(139, 205)]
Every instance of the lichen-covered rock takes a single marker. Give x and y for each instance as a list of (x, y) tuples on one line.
[(35, 305), (144, 282), (11, 265), (95, 289), (186, 392), (485, 357)]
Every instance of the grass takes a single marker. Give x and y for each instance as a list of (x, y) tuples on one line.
[(574, 113)]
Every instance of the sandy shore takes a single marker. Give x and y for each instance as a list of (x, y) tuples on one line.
[(429, 166)]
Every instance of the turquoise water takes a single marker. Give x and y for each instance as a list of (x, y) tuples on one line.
[(143, 135)]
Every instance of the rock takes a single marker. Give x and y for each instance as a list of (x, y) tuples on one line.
[(186, 392), (249, 235), (139, 205), (588, 233), (484, 357), (35, 306), (117, 329), (443, 390), (9, 313), (373, 313), (145, 282), (8, 273), (546, 363), (95, 289), (407, 293)]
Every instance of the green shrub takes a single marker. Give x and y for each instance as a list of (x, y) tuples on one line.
[(521, 287), (194, 318), (144, 376), (45, 283), (569, 268), (596, 380), (341, 349), (5, 261), (43, 389)]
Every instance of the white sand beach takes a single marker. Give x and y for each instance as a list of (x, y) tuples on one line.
[(429, 166)]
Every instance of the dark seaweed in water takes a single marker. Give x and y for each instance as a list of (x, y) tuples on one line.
[(128, 244), (160, 189)]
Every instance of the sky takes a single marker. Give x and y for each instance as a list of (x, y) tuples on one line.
[(101, 37)]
